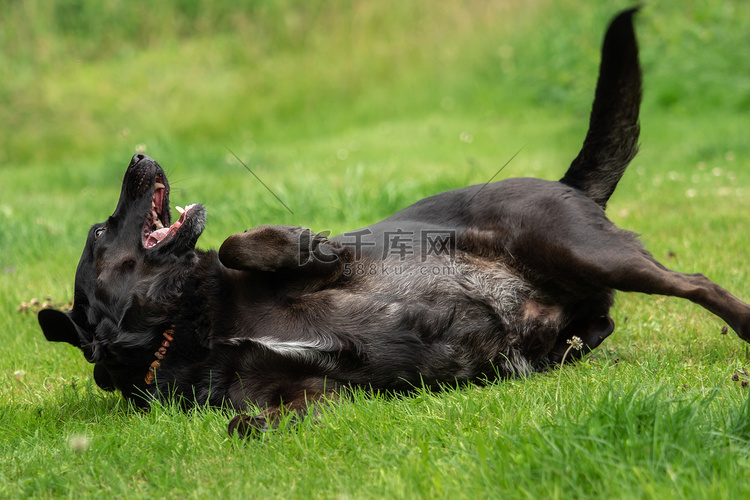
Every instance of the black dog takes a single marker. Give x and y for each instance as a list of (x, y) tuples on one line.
[(471, 284)]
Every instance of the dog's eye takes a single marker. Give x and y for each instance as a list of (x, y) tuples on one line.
[(98, 232)]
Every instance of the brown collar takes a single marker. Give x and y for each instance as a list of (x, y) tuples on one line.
[(168, 338)]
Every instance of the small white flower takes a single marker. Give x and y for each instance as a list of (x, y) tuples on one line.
[(575, 342)]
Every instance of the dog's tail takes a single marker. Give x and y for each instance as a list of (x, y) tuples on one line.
[(612, 139)]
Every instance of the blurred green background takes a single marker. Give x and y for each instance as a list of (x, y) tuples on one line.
[(91, 79)]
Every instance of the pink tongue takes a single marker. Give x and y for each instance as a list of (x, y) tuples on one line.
[(157, 236), (162, 233)]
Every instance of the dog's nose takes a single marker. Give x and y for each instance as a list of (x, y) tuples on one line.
[(137, 158)]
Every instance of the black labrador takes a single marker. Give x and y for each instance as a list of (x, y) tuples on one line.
[(472, 284)]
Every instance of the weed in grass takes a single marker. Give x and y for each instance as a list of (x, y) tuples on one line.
[(576, 343)]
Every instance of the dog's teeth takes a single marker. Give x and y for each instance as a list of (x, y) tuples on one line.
[(179, 209), (158, 224), (159, 185)]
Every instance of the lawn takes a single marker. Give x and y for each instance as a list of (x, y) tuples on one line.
[(349, 111)]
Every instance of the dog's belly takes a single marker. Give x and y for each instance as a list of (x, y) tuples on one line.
[(435, 321)]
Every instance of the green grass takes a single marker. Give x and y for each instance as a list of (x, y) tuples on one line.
[(350, 111)]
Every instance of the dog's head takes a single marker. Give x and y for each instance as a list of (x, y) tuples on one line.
[(130, 273)]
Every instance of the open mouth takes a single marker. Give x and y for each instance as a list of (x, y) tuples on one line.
[(156, 228)]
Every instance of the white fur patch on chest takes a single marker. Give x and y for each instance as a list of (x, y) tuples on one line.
[(317, 352)]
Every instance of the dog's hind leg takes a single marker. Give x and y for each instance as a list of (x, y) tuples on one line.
[(606, 258), (568, 245), (632, 269)]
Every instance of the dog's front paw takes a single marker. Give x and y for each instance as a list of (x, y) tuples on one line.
[(245, 426), (315, 247), (270, 248)]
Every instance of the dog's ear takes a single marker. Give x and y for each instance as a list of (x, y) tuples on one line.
[(59, 327)]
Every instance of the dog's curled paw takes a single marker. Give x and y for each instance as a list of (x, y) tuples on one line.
[(314, 247)]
